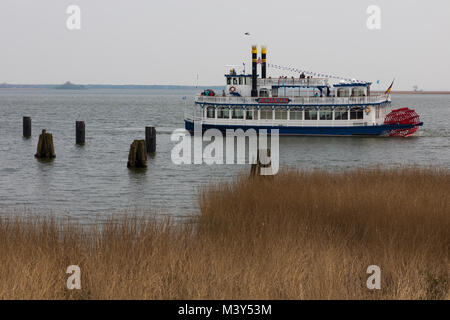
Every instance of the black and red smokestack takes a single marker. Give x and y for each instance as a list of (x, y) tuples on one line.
[(254, 69), (263, 61)]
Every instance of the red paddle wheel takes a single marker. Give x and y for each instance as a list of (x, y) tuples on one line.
[(403, 116)]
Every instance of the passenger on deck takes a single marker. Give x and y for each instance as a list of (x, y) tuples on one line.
[(302, 76)]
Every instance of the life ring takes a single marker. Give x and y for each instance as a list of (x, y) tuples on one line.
[(232, 89), (367, 110)]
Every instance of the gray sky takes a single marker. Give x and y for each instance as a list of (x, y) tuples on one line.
[(171, 41)]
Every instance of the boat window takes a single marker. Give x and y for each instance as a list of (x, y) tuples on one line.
[(343, 92), (296, 114), (240, 80), (223, 113), (357, 92), (237, 113), (340, 113), (210, 112), (263, 93), (275, 92), (280, 113), (249, 114), (310, 113), (356, 113), (325, 113), (266, 113), (234, 81), (228, 81)]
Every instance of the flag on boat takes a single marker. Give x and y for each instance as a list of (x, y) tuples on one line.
[(390, 87)]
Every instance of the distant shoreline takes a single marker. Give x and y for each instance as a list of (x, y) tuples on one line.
[(107, 86), (165, 87)]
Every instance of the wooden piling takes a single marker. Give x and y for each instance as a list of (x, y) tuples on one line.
[(45, 148), (137, 157), (79, 132), (26, 127), (256, 167), (150, 139)]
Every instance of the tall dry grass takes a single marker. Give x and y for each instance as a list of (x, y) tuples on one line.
[(298, 235)]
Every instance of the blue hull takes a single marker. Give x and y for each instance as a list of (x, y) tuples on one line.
[(379, 130)]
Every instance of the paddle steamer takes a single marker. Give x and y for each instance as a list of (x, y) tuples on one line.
[(302, 105)]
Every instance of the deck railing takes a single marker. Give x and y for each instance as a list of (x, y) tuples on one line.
[(297, 100)]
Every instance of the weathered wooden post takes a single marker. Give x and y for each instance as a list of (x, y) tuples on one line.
[(150, 139), (79, 132), (45, 148), (137, 157), (26, 127), (264, 163)]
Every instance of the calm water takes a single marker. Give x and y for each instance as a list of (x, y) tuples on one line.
[(93, 180)]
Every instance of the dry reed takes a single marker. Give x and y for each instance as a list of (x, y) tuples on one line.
[(298, 235)]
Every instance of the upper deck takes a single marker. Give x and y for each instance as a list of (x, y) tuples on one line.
[(296, 100), (243, 89)]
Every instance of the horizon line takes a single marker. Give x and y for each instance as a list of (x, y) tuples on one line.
[(149, 86)]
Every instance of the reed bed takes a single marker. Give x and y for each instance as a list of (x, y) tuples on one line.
[(298, 235)]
